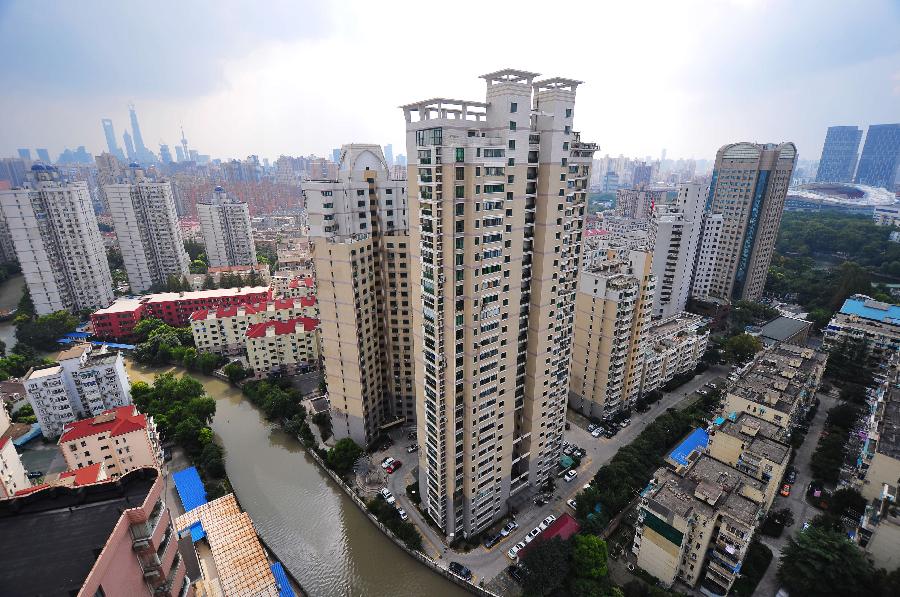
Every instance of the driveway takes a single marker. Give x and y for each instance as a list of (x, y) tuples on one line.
[(797, 503), (488, 563)]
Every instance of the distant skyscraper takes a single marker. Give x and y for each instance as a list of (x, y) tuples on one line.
[(839, 154), (58, 243), (165, 156), (43, 155), (748, 187), (389, 154), (146, 223), (880, 156), (25, 154), (129, 146), (401, 160), (184, 147), (643, 174), (141, 152), (225, 226), (110, 134), (336, 155), (179, 153), (13, 170)]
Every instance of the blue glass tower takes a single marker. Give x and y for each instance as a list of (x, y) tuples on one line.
[(880, 156), (839, 154)]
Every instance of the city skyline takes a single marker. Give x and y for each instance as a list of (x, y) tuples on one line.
[(234, 100)]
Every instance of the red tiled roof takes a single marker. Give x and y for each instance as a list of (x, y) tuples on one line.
[(83, 476), (125, 420), (308, 301), (3, 440), (258, 330)]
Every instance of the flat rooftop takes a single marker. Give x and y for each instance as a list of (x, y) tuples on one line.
[(868, 308), (759, 436), (783, 328), (889, 426), (50, 539)]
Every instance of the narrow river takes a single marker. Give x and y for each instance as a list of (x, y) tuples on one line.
[(314, 528)]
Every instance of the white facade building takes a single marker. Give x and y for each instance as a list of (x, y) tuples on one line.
[(83, 383), (676, 230), (13, 476), (706, 255), (226, 228), (674, 345), (58, 244), (146, 223), (887, 215)]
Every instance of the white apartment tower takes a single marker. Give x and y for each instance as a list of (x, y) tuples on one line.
[(58, 244), (146, 223), (676, 231), (83, 383), (227, 234), (497, 195), (359, 227), (707, 252), (748, 187)]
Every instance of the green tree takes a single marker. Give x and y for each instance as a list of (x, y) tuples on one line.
[(209, 283), (202, 407), (235, 372), (343, 455), (740, 348), (589, 556), (546, 566), (824, 563), (42, 332), (207, 362)]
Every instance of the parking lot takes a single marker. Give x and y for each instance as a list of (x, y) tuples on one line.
[(487, 563)]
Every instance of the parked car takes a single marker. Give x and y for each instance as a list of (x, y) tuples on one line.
[(387, 495), (597, 432), (460, 570), (516, 573), (626, 422), (402, 513), (167, 454), (791, 476), (493, 540), (513, 552), (540, 501), (785, 490), (412, 448), (591, 427), (570, 475), (611, 431), (509, 528), (572, 504), (386, 462), (568, 451), (532, 534), (549, 520), (393, 466), (703, 392)]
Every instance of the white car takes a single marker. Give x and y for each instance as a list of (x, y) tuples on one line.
[(402, 513), (597, 432), (570, 476), (591, 428), (513, 552), (572, 504), (549, 520), (534, 533), (387, 462), (387, 495)]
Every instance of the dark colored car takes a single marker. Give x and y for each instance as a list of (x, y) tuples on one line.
[(460, 571), (791, 477), (611, 432), (492, 541)]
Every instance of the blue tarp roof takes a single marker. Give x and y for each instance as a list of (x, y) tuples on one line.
[(871, 309), (32, 433), (197, 531), (284, 586), (66, 340), (719, 420), (190, 488), (698, 438)]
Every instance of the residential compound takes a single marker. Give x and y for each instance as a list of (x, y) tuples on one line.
[(698, 514), (84, 382), (288, 347), (749, 184), (227, 233), (497, 196), (146, 223), (54, 231), (119, 440), (873, 323), (224, 330), (359, 226), (106, 538), (886, 215)]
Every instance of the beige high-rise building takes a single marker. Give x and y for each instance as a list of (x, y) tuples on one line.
[(613, 307), (359, 227), (748, 187), (497, 195), (227, 232)]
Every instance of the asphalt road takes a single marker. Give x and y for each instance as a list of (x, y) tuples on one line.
[(487, 563), (797, 503)]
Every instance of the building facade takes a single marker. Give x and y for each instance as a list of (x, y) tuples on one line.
[(748, 187), (880, 157), (57, 241), (13, 476), (873, 323), (673, 346), (886, 215), (839, 154), (146, 224), (638, 204), (707, 253), (359, 224), (497, 197), (83, 383), (227, 233), (119, 439), (283, 347)]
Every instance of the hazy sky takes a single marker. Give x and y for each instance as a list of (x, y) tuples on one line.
[(297, 77)]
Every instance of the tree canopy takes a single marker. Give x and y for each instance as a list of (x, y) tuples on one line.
[(825, 563), (43, 331), (740, 348), (546, 566)]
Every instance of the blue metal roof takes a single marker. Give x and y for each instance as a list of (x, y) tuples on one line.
[(698, 438), (868, 308), (32, 433), (190, 488), (77, 335), (197, 531), (284, 586)]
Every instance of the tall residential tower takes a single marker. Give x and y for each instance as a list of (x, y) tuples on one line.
[(227, 233), (497, 195), (359, 226)]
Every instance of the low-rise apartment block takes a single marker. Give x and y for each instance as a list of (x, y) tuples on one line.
[(84, 382), (880, 458), (251, 275), (778, 385), (695, 523), (224, 330), (107, 538), (291, 286), (13, 476), (887, 215), (674, 345), (288, 347), (863, 319), (119, 439)]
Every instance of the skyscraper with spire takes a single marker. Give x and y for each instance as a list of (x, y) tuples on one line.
[(184, 147), (111, 143), (129, 146), (141, 152)]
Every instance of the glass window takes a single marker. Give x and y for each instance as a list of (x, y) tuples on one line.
[(512, 125), (513, 107), (460, 154), (568, 112)]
